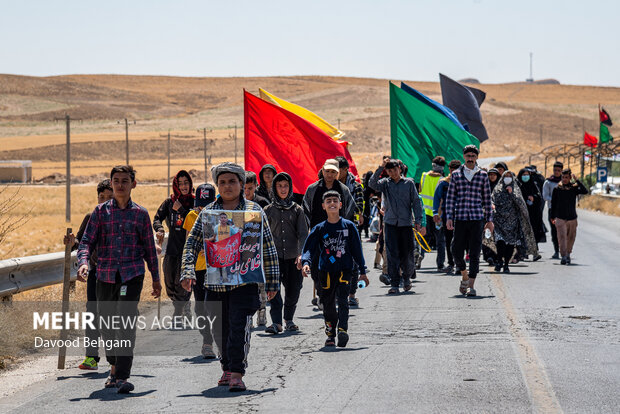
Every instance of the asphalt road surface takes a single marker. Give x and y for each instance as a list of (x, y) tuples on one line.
[(543, 338)]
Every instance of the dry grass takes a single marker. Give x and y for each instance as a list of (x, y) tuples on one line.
[(602, 204)]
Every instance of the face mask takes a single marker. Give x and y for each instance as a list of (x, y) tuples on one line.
[(525, 178), (507, 180)]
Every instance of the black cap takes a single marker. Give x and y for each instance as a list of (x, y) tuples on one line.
[(205, 195)]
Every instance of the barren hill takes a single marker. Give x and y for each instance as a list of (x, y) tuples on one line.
[(513, 113)]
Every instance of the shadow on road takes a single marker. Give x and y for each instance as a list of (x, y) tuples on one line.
[(199, 360), (283, 334), (410, 293), (85, 375), (472, 297), (222, 392), (110, 394), (329, 349)]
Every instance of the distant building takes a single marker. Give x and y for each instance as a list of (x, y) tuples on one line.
[(16, 171)]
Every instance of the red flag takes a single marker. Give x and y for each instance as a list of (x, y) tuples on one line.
[(589, 140), (276, 136), (224, 253), (604, 117)]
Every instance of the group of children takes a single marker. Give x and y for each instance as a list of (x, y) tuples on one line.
[(117, 238)]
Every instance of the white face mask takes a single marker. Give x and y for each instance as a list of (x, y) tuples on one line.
[(507, 180)]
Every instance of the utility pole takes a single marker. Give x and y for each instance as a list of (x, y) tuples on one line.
[(168, 176), (235, 138), (127, 139), (338, 123), (67, 120), (541, 136), (204, 135)]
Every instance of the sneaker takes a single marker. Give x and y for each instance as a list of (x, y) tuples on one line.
[(224, 379), (568, 259), (449, 270), (491, 262), (89, 364), (124, 387), (314, 301), (262, 317), (471, 292), (563, 261), (330, 341), (353, 301), (343, 338), (537, 258), (556, 255), (498, 267), (207, 351), (236, 385), (506, 269), (384, 279)]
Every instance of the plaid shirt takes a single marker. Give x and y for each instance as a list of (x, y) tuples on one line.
[(195, 240), (357, 192), (123, 239), (469, 200)]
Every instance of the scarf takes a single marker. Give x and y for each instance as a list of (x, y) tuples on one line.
[(282, 203), (187, 200)]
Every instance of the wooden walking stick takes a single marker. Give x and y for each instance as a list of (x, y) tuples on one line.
[(62, 351)]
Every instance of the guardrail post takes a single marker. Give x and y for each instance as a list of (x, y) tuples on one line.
[(62, 351)]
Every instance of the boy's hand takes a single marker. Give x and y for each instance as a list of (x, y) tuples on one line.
[(306, 270), (187, 284), (156, 289), (449, 224), (69, 240), (298, 262), (365, 279), (82, 273), (436, 219), (160, 236), (177, 205), (423, 231), (384, 160), (271, 295)]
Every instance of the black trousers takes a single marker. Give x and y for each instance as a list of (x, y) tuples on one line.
[(91, 306), (172, 280), (431, 233), (200, 296), (554, 233), (448, 235), (292, 281), (119, 299), (504, 252), (233, 312), (334, 287), (467, 234), (399, 245)]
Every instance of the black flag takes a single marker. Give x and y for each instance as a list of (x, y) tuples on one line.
[(465, 102)]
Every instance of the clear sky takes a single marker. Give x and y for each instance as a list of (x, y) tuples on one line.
[(575, 42)]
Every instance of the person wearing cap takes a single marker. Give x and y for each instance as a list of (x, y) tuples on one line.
[(238, 302), (469, 213), (266, 174), (173, 211), (400, 199), (313, 200), (205, 195), (289, 228), (428, 185)]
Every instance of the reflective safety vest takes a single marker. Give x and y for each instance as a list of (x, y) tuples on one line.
[(427, 191)]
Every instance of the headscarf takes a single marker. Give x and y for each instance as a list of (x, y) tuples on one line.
[(187, 200), (262, 189), (287, 202)]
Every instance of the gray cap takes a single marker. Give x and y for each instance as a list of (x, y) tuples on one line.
[(228, 167)]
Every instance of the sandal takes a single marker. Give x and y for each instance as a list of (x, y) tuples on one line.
[(236, 385), (274, 329), (225, 379), (290, 326), (110, 382), (464, 286)]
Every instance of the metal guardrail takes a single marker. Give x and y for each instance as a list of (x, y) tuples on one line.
[(32, 272)]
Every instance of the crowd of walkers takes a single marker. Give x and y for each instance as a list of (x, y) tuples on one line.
[(461, 210)]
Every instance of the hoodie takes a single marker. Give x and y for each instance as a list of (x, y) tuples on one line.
[(262, 189), (287, 222)]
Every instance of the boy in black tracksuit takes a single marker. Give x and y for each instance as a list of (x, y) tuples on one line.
[(337, 244)]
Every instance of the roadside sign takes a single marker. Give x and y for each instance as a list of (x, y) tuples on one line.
[(601, 174)]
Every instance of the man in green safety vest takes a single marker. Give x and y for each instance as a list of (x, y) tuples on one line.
[(428, 184)]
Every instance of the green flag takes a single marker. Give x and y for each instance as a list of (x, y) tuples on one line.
[(604, 135), (420, 133)]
